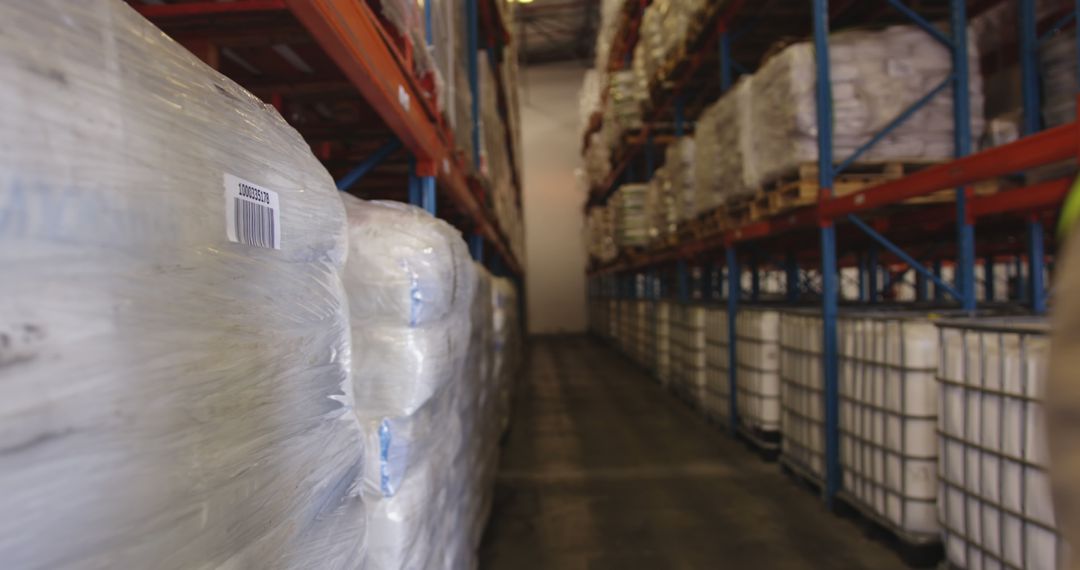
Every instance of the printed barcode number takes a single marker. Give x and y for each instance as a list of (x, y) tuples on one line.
[(254, 224), (252, 214)]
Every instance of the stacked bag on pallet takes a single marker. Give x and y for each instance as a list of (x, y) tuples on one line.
[(665, 29), (994, 501), (680, 160), (661, 206), (631, 221), (174, 335), (725, 163), (203, 380), (876, 75), (1057, 59), (411, 290), (600, 224)]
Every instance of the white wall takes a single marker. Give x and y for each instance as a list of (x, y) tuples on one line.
[(554, 221)]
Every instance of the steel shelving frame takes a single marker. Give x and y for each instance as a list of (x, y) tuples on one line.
[(774, 241), (351, 34)]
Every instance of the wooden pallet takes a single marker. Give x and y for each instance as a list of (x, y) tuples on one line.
[(715, 222), (800, 188)]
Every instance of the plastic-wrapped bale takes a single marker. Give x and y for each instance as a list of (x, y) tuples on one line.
[(411, 286), (631, 224), (597, 159), (688, 351), (473, 471), (624, 100), (802, 445), (1057, 58), (717, 363), (724, 162), (888, 412), (660, 207), (757, 375), (506, 331), (174, 343), (601, 228), (679, 166), (408, 20), (875, 76), (663, 342), (994, 498)]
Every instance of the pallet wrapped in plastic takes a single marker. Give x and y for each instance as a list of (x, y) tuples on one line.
[(174, 343), (507, 342), (1058, 72), (724, 162), (411, 287), (679, 166), (876, 75), (660, 207), (994, 502), (631, 222)]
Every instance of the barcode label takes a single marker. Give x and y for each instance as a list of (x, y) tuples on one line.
[(252, 214)]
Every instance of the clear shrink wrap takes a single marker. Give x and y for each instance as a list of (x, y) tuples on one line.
[(724, 162), (411, 287), (876, 75), (1057, 59), (660, 206), (506, 331), (631, 223), (177, 393), (679, 165)]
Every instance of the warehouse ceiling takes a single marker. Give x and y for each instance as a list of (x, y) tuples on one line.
[(556, 30)]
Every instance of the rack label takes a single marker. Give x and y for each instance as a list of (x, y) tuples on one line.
[(252, 214)]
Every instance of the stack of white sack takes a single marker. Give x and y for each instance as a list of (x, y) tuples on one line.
[(876, 75), (174, 345), (411, 286), (605, 34), (631, 223), (601, 234), (680, 168), (724, 159), (649, 52), (506, 338), (625, 96), (408, 20), (598, 158), (1057, 59), (660, 206), (589, 98)]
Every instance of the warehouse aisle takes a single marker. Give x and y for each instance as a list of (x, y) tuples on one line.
[(603, 469)]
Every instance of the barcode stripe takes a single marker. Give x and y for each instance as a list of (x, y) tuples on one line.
[(254, 223)]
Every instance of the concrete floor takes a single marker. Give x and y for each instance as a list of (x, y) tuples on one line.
[(604, 469)]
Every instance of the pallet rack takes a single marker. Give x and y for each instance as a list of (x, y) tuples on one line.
[(339, 57), (870, 229)]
